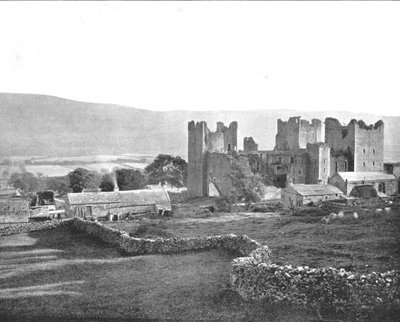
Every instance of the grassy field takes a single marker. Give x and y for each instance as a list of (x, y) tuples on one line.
[(61, 276), (371, 243)]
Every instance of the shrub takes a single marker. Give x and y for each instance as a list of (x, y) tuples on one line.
[(151, 230), (224, 204)]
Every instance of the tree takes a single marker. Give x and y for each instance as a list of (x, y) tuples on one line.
[(26, 181), (168, 170), (107, 182), (130, 179), (248, 186), (6, 162), (59, 184), (81, 178)]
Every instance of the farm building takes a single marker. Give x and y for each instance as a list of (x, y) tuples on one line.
[(382, 182), (303, 194), (117, 205), (14, 210)]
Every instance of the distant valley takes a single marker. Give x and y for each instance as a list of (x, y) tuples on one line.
[(40, 125)]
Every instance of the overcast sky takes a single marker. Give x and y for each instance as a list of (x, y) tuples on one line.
[(206, 55)]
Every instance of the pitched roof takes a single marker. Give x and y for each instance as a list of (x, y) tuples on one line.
[(123, 198), (365, 176), (315, 189)]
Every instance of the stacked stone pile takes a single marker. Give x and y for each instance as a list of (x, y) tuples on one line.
[(33, 226), (242, 245)]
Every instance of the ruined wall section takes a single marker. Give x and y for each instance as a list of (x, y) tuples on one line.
[(202, 142), (287, 137), (296, 133), (369, 141), (318, 164), (356, 146), (341, 140), (281, 168), (197, 158), (220, 169), (249, 145), (230, 135), (309, 132)]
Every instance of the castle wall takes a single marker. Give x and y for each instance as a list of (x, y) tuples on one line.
[(280, 168), (220, 169), (287, 137), (339, 162), (368, 152), (216, 142), (309, 133), (197, 158), (201, 143), (296, 133), (249, 144), (318, 163), (357, 144)]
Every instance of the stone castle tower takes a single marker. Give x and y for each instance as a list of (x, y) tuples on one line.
[(202, 142), (296, 133), (355, 147)]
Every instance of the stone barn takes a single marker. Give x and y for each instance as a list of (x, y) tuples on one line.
[(14, 210), (117, 205), (303, 194), (382, 182)]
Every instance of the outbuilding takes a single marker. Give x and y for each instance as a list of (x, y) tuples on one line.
[(117, 205), (383, 183), (303, 194)]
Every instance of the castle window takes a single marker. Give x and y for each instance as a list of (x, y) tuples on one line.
[(291, 160), (363, 164), (229, 147), (373, 151), (324, 170), (364, 151), (299, 171), (324, 160), (280, 160), (373, 163), (335, 166)]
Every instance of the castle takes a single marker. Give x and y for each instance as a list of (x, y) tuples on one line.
[(299, 156)]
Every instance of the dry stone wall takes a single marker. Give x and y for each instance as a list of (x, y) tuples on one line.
[(33, 226), (242, 245), (323, 288), (253, 276)]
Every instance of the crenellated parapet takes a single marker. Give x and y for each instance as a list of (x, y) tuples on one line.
[(355, 146), (296, 133)]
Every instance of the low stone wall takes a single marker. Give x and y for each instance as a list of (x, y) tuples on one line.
[(323, 288), (254, 277), (33, 226), (242, 245)]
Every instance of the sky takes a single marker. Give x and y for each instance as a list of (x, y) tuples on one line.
[(206, 55)]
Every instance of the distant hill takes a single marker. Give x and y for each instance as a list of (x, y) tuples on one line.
[(46, 125)]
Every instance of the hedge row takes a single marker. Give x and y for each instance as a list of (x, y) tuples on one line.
[(33, 226), (323, 288), (242, 245)]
